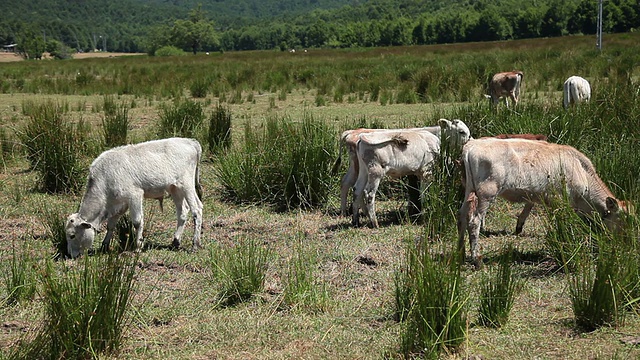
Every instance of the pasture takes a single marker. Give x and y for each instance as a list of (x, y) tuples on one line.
[(349, 309)]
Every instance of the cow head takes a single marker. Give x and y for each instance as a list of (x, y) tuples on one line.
[(614, 213), (79, 234), (455, 133)]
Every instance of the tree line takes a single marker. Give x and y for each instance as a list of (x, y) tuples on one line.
[(376, 23)]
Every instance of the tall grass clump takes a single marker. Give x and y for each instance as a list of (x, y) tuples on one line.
[(602, 266), (498, 289), (301, 287), (115, 123), (442, 197), (567, 234), (7, 146), (53, 219), (54, 145), (20, 278), (199, 88), (219, 134), (431, 300), (285, 164), (184, 118), (85, 309), (238, 270)]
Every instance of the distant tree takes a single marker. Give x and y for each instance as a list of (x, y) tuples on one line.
[(584, 18), (59, 50), (492, 26), (195, 33), (30, 44), (528, 23), (554, 22)]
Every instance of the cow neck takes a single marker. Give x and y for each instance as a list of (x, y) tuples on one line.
[(92, 207), (599, 192)]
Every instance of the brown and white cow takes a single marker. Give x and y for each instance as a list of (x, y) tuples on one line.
[(349, 140), (507, 85), (575, 90), (398, 154), (530, 172)]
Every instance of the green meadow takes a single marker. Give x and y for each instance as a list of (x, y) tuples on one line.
[(281, 274)]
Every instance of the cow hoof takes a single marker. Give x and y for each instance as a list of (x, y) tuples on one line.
[(175, 244)]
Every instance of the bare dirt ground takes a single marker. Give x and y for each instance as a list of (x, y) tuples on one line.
[(12, 57)]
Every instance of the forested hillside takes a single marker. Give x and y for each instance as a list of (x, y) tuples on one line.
[(146, 25)]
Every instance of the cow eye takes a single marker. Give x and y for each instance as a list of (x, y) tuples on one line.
[(72, 237)]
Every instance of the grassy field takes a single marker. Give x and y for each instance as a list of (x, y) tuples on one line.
[(175, 314)]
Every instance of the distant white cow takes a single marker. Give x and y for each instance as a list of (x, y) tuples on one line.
[(507, 85), (120, 178), (398, 154), (528, 171), (349, 140), (575, 91)]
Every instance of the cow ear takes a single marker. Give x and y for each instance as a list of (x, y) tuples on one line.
[(444, 123), (612, 205), (85, 225)]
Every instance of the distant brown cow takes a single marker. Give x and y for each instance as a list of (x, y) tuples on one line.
[(507, 85)]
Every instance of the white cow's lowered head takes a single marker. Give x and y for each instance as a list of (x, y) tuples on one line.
[(79, 234), (455, 132)]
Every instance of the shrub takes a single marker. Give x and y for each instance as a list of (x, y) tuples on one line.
[(115, 123), (301, 288), (498, 289), (239, 270), (199, 88), (431, 300), (53, 145), (20, 279), (169, 51), (84, 309), (270, 169), (53, 219), (219, 135), (182, 118)]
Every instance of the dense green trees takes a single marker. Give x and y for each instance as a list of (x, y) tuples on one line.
[(146, 25)]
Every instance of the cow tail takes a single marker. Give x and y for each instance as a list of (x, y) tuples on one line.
[(567, 94), (336, 165), (197, 184)]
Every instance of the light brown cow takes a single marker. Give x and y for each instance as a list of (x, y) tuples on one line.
[(349, 140), (399, 154), (530, 172), (538, 137), (507, 85)]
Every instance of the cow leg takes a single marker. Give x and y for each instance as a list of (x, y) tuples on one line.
[(136, 212), (468, 205), (348, 181), (523, 217), (181, 216), (111, 225), (373, 181), (358, 194), (414, 189), (196, 211)]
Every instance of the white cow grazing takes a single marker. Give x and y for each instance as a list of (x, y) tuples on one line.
[(528, 171), (507, 85), (575, 91), (120, 178), (398, 154), (349, 139)]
